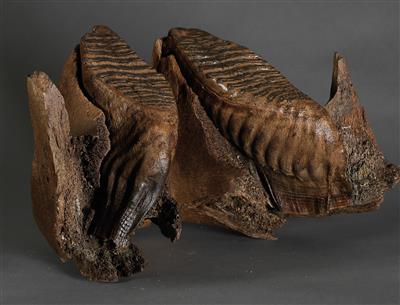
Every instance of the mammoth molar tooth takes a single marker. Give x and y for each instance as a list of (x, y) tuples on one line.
[(84, 126), (315, 160)]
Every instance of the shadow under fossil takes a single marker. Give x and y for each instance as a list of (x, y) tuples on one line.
[(208, 249)]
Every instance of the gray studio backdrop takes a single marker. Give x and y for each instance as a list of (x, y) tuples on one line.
[(341, 259)]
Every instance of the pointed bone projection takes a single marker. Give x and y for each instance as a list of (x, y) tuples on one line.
[(370, 175), (217, 136)]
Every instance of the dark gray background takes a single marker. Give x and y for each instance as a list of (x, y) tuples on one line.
[(341, 259)]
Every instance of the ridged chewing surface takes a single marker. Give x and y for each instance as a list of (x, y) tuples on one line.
[(107, 57), (141, 116), (235, 68), (290, 136)]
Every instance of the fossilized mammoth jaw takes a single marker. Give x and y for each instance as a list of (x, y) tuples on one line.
[(212, 132)]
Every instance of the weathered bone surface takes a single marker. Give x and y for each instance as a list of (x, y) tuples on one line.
[(310, 164), (368, 172), (218, 136)]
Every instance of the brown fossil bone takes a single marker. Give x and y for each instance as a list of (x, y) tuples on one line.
[(218, 136), (370, 175), (102, 150), (312, 160)]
